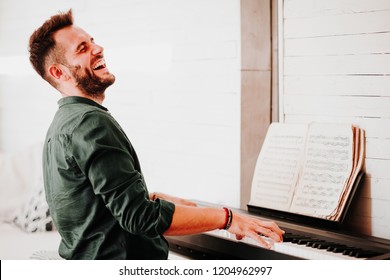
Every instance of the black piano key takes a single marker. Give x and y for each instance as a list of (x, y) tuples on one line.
[(289, 237), (366, 254), (352, 251), (335, 245), (341, 248), (312, 242), (324, 245), (299, 238), (356, 252), (316, 244), (302, 241)]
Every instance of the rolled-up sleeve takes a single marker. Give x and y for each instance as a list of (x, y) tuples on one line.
[(106, 157)]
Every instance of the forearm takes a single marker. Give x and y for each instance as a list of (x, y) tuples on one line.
[(193, 220)]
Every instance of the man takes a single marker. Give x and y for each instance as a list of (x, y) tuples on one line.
[(93, 181)]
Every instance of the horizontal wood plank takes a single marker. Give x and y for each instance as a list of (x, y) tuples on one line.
[(355, 23), (346, 106), (315, 8), (374, 127), (378, 168), (375, 43), (338, 85), (370, 64)]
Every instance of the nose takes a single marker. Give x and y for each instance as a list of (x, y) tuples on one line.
[(97, 49)]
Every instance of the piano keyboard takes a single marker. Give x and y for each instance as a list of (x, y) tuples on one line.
[(299, 246), (220, 244), (300, 242)]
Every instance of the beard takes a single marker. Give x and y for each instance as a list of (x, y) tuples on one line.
[(89, 83)]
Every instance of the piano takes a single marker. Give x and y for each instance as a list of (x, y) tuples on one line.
[(304, 239)]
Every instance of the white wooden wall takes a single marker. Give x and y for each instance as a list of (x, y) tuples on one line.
[(177, 93), (335, 66)]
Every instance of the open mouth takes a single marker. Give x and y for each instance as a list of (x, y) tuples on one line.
[(100, 65)]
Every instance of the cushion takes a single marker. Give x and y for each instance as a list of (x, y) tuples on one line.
[(19, 173), (34, 215)]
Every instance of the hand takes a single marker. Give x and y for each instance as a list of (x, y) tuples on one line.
[(173, 199), (246, 226)]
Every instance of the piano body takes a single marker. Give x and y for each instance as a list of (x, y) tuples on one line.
[(304, 239)]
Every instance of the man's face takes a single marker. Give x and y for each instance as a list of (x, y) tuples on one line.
[(85, 60)]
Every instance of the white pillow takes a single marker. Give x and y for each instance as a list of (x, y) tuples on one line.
[(34, 215), (19, 173)]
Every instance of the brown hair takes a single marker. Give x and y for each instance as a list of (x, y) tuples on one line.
[(42, 45)]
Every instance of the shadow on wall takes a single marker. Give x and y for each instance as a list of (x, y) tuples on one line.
[(361, 208)]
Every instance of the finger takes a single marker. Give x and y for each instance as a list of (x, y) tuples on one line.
[(269, 233), (270, 229), (239, 236), (256, 236), (272, 226)]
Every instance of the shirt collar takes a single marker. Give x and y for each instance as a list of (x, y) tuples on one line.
[(78, 99)]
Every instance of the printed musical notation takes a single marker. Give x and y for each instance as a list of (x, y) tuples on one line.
[(307, 169), (277, 167)]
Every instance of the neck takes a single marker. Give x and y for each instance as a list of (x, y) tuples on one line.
[(98, 98)]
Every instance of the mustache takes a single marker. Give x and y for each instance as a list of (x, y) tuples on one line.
[(96, 58)]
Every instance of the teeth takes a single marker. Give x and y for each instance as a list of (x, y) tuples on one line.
[(101, 63)]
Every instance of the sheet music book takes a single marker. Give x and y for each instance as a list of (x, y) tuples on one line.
[(308, 169)]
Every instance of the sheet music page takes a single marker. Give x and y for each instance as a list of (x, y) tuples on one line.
[(278, 165), (327, 167), (358, 165)]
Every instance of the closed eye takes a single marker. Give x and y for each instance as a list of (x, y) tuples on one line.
[(83, 46)]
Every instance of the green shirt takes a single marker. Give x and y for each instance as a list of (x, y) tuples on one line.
[(95, 189)]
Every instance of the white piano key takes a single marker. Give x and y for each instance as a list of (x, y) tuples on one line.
[(288, 248)]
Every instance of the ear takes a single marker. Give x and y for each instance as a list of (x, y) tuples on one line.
[(57, 72)]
